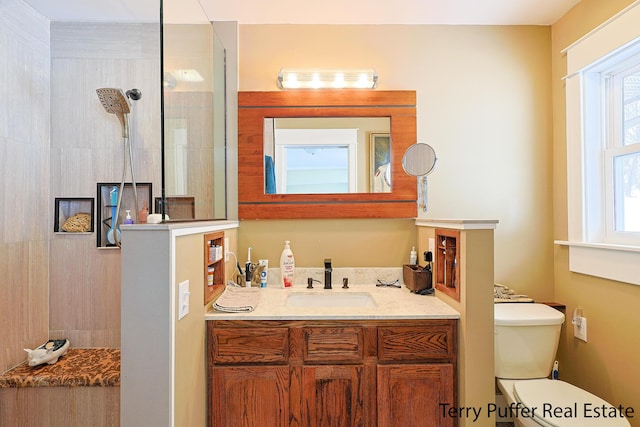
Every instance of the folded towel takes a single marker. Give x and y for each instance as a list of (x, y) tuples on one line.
[(238, 300)]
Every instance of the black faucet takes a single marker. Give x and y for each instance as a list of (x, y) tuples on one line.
[(327, 273)]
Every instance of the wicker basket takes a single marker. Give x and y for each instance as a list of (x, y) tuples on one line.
[(416, 278)]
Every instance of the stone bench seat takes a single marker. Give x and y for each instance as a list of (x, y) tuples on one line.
[(80, 367), (81, 389)]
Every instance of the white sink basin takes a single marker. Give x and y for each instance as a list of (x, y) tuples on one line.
[(330, 299)]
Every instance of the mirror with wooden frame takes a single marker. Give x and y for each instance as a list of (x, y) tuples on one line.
[(256, 110)]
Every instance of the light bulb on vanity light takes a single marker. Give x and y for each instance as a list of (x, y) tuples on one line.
[(327, 78), (339, 82)]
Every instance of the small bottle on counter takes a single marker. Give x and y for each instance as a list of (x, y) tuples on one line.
[(264, 264), (248, 268), (413, 256)]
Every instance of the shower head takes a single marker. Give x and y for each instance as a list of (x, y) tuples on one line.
[(114, 101)]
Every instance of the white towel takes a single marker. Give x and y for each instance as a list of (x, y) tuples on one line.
[(238, 300)]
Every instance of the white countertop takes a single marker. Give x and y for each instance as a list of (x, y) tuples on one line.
[(390, 303)]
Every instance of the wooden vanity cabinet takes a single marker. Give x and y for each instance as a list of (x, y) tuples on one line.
[(331, 373)]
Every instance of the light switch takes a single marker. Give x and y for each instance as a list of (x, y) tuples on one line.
[(183, 299)]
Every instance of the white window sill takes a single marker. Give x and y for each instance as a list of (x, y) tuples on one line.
[(613, 262)]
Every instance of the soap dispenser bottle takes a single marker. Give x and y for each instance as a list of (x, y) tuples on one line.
[(128, 219), (287, 266)]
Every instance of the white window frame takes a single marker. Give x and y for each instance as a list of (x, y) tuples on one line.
[(591, 250)]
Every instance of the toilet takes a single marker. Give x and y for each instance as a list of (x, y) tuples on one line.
[(526, 337)]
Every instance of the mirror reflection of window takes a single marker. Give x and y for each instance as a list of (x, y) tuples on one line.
[(313, 161), (352, 137), (315, 169)]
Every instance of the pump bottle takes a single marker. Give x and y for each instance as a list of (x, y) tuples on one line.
[(287, 266), (128, 219)]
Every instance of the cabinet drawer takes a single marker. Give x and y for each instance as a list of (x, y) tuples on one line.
[(416, 343), (330, 345), (244, 345)]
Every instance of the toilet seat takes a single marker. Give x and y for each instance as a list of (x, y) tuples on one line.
[(560, 404)]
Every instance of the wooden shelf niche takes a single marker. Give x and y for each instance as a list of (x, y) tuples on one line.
[(448, 262), (213, 265)]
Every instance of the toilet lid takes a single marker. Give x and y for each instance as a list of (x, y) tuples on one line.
[(560, 404)]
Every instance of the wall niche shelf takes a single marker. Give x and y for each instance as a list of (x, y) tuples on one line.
[(448, 262), (213, 265), (107, 196), (73, 215)]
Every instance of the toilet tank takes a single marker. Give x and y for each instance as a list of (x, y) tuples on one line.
[(525, 339)]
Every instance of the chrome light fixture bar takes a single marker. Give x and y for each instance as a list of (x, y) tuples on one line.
[(293, 78)]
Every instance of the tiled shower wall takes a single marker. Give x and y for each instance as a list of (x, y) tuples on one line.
[(56, 140), (25, 194), (87, 148)]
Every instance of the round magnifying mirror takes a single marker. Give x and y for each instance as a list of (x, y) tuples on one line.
[(419, 160)]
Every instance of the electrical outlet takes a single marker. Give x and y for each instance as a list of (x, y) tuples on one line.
[(432, 245), (183, 299), (580, 328), (226, 249)]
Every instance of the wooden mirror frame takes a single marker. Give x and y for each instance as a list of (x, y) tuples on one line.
[(254, 107)]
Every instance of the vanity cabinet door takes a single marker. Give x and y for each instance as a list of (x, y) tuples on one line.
[(250, 396), (336, 396), (410, 395)]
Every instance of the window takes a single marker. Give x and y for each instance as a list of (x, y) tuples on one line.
[(621, 152), (625, 150), (611, 123), (603, 150)]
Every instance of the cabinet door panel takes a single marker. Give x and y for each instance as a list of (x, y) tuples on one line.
[(250, 396), (333, 396), (410, 395)]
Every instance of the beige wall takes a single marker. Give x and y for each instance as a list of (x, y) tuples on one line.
[(25, 190), (347, 242), (483, 103), (190, 343), (190, 347), (606, 364), (475, 328)]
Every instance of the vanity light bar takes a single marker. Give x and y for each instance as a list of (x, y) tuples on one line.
[(291, 78)]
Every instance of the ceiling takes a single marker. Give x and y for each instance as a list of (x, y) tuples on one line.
[(444, 12)]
